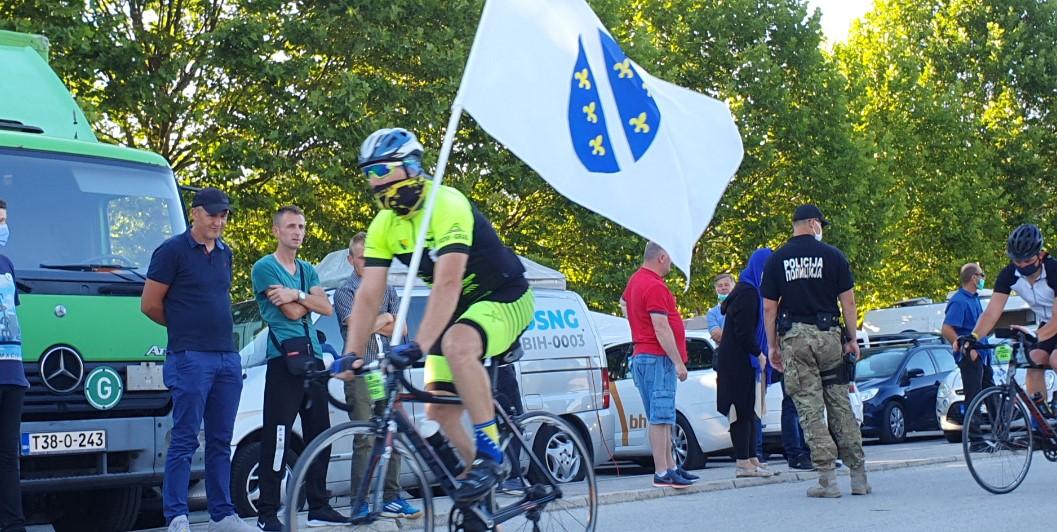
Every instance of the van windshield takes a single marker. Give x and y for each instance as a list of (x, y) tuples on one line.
[(81, 213)]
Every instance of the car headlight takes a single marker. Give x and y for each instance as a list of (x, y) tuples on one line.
[(944, 390), (866, 395)]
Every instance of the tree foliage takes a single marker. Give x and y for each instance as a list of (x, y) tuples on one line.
[(924, 137)]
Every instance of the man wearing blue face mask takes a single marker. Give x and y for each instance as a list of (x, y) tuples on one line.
[(723, 284), (13, 386), (1032, 274), (962, 314)]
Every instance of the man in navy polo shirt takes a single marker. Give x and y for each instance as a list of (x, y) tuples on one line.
[(963, 311), (188, 291)]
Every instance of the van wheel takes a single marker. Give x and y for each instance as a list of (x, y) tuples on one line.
[(893, 424), (245, 480), (109, 510), (557, 450), (685, 450)]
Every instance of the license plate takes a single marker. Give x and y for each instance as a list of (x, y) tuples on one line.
[(63, 442), (146, 376)]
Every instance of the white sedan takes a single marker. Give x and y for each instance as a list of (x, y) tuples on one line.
[(700, 429)]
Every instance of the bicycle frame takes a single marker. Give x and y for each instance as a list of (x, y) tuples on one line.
[(1014, 386), (394, 420)]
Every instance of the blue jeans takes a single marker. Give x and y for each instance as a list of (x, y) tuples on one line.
[(654, 377), (760, 455), (792, 435), (204, 386)]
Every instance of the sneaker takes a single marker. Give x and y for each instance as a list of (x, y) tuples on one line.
[(483, 476), (514, 487), (675, 474), (231, 523), (667, 480), (802, 464), (361, 513), (269, 523), (326, 516), (686, 474), (179, 524), (398, 507)]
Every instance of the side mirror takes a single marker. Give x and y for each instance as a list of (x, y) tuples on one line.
[(913, 373)]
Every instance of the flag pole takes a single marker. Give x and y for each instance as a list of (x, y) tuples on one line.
[(420, 242), (438, 178)]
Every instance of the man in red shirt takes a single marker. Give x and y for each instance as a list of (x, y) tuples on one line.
[(659, 358)]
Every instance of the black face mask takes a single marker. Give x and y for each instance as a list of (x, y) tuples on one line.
[(1025, 271), (403, 197)]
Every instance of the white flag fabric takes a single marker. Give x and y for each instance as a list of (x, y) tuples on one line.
[(547, 80)]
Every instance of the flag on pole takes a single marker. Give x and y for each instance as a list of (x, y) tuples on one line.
[(546, 79)]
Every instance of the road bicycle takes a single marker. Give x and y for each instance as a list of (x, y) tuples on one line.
[(1003, 426), (558, 489)]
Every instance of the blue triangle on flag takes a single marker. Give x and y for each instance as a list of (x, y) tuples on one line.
[(639, 114), (587, 121)]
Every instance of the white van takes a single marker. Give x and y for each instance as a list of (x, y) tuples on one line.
[(563, 371)]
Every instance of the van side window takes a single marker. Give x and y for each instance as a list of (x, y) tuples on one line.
[(617, 360), (699, 354)]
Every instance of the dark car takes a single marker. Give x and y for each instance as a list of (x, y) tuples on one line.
[(898, 377)]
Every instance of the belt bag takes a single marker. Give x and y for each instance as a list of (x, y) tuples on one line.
[(296, 351)]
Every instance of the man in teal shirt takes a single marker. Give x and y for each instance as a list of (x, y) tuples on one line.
[(287, 290)]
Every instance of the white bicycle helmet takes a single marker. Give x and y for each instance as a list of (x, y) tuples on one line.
[(390, 144)]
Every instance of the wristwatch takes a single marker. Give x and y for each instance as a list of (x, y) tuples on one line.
[(301, 296)]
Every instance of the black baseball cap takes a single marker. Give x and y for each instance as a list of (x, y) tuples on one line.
[(808, 212), (212, 200)]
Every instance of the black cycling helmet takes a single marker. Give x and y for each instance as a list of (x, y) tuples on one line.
[(1024, 242)]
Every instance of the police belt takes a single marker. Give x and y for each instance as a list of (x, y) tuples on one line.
[(814, 320)]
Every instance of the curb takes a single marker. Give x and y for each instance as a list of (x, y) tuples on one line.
[(650, 492)]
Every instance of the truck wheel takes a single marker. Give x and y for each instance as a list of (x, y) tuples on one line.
[(110, 510), (245, 481)]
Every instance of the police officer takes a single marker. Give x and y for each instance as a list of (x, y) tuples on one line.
[(801, 285)]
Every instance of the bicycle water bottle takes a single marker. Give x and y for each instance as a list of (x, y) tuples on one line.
[(430, 431), (375, 386)]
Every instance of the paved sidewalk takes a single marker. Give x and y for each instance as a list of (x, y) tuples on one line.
[(627, 482)]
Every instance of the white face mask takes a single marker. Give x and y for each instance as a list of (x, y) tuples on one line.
[(818, 235)]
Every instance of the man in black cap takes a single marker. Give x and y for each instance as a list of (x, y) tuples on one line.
[(188, 292), (802, 282)]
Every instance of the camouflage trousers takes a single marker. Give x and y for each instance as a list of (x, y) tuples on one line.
[(806, 352)]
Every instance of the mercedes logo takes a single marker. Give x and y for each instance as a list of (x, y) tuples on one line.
[(60, 311), (61, 369)]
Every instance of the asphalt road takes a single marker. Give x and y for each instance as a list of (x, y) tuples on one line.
[(942, 497)]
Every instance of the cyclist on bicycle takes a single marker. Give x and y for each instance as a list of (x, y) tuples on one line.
[(1032, 273), (479, 305)]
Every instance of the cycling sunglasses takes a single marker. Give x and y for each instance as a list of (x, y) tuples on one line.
[(381, 170)]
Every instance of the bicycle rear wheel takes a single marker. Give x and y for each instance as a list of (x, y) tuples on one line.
[(997, 440), (343, 436), (561, 457)]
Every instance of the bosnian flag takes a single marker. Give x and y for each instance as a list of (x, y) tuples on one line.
[(547, 80)]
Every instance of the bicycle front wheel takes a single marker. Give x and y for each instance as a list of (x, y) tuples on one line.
[(553, 454), (343, 436), (997, 440)]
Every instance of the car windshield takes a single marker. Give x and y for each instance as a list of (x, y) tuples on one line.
[(878, 363), (82, 213)]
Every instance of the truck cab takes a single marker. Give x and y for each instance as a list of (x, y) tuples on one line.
[(85, 218)]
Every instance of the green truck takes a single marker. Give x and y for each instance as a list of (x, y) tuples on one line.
[(85, 218)]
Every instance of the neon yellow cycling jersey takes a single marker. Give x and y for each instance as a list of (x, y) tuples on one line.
[(456, 227)]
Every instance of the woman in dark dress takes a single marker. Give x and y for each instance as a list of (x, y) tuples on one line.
[(741, 362)]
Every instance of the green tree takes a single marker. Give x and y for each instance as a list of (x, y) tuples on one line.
[(954, 98)]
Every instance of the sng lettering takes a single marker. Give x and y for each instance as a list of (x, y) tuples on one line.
[(802, 268), (554, 319)]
